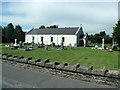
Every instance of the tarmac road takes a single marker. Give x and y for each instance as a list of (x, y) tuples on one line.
[(22, 78)]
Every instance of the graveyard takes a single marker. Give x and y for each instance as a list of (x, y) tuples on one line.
[(85, 56)]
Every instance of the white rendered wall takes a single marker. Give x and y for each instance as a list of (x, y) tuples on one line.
[(56, 39)]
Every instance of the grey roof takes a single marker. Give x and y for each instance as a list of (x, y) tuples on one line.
[(54, 31)]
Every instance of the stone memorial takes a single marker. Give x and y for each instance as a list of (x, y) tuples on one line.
[(103, 46), (62, 47), (7, 45), (53, 44), (20, 43), (46, 47), (75, 45), (15, 44), (70, 46)]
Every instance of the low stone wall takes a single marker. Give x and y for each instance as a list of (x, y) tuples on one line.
[(79, 72)]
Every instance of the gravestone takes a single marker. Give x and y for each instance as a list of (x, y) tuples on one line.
[(62, 47), (75, 45), (70, 46), (15, 44), (11, 44), (46, 47), (7, 45), (38, 45), (42, 44), (23, 44), (103, 43), (20, 43), (53, 44)]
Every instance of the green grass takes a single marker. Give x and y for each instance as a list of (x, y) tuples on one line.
[(83, 56)]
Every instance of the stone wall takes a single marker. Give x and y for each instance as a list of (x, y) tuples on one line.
[(102, 76)]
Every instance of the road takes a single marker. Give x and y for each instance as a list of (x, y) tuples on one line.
[(22, 78)]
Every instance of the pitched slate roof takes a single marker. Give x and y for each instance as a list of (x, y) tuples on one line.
[(54, 31)]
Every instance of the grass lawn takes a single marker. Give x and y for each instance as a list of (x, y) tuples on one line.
[(83, 56)]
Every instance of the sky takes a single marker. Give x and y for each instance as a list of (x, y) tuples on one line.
[(94, 16)]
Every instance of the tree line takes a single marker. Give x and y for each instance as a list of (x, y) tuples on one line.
[(116, 32), (9, 33), (97, 38), (52, 26)]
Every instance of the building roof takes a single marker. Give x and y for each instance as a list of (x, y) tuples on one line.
[(55, 31)]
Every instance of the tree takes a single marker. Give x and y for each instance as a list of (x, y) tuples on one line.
[(4, 38), (1, 34), (116, 33), (102, 34), (97, 38), (53, 26), (108, 39), (10, 33), (42, 26), (19, 34)]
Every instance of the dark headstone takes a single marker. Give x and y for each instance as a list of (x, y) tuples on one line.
[(53, 44), (62, 47)]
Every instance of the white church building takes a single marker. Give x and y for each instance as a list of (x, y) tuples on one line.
[(71, 35)]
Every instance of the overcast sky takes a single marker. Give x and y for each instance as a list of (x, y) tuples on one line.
[(94, 16)]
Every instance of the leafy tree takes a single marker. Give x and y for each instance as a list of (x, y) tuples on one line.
[(108, 39), (10, 33), (102, 34), (53, 26), (4, 37), (42, 26), (116, 33), (19, 34), (1, 34), (97, 38)]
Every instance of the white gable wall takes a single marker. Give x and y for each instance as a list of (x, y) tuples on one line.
[(56, 39)]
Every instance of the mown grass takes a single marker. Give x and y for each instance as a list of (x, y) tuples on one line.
[(83, 56)]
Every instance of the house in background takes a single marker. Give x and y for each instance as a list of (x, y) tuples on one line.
[(73, 36)]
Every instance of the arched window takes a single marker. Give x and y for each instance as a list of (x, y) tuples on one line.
[(42, 39), (63, 39), (51, 39), (33, 38)]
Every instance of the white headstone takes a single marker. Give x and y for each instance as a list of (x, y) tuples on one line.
[(113, 43), (84, 40), (103, 43), (15, 42)]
